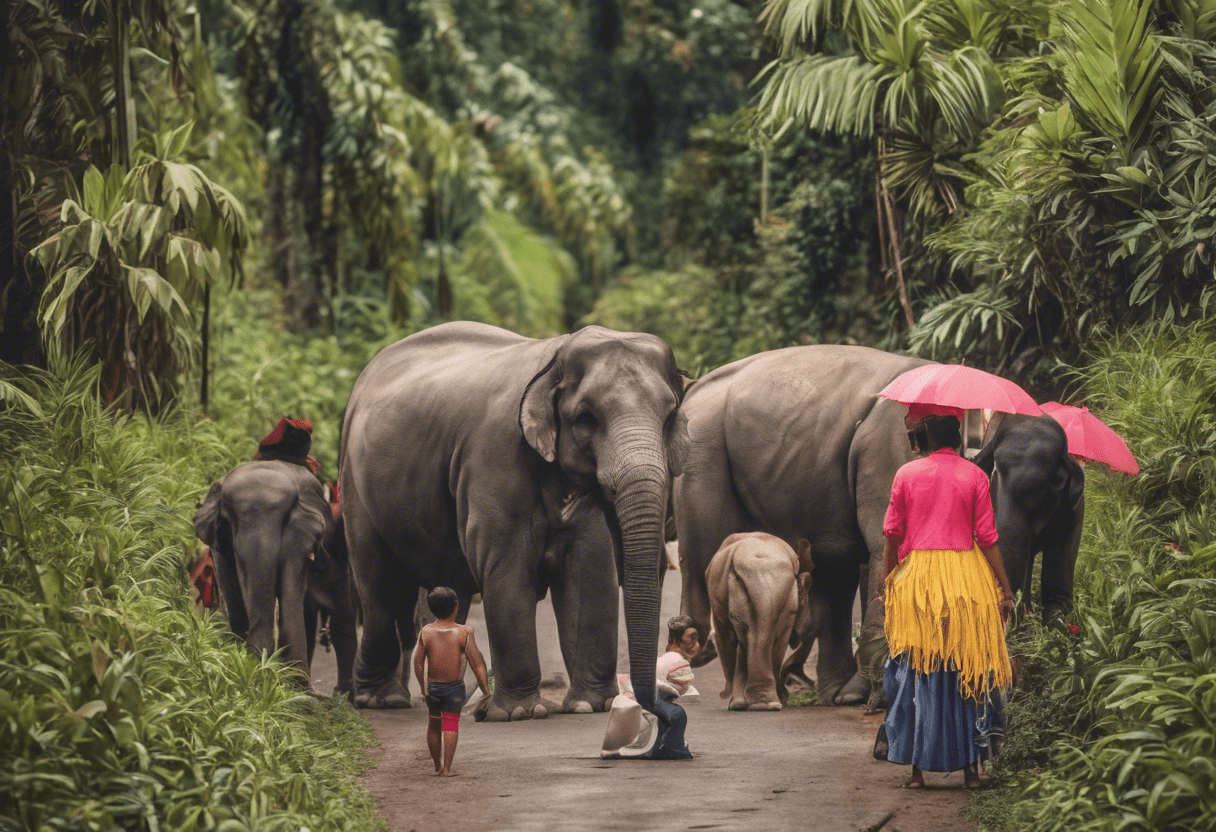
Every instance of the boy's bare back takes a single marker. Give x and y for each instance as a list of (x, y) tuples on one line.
[(445, 648)]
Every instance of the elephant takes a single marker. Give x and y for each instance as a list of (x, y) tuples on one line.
[(795, 442), (756, 586), (328, 595), (1038, 496), (481, 460), (264, 522)]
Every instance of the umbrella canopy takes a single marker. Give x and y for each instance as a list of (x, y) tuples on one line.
[(1089, 437), (954, 385)]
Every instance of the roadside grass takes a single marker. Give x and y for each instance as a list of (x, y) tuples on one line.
[(1111, 725), (803, 698), (120, 707)]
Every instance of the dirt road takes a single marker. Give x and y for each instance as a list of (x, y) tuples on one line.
[(799, 768)]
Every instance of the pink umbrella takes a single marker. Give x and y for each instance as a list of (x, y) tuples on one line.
[(1090, 438), (953, 385)]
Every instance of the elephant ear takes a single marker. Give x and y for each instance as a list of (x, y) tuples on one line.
[(678, 442), (1076, 484), (312, 511), (805, 565), (208, 514), (537, 413)]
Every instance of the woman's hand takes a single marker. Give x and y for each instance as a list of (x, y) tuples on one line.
[(1006, 607)]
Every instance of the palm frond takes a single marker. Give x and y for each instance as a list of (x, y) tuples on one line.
[(1112, 71), (826, 93), (794, 22)]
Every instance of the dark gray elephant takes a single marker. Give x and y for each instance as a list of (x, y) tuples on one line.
[(328, 599), (794, 442), (485, 461), (264, 522), (1038, 495)]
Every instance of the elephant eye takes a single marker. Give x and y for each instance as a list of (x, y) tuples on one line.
[(586, 419)]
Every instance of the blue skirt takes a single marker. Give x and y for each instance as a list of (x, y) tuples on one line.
[(931, 726)]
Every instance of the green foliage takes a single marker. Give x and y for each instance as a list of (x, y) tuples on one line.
[(1133, 686), (803, 698), (134, 254), (262, 372), (735, 284), (120, 707)]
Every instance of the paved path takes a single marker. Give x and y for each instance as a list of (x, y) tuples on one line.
[(799, 768)]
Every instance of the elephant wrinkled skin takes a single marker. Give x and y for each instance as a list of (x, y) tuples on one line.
[(263, 522), (756, 585), (478, 459), (794, 442), (1038, 496)]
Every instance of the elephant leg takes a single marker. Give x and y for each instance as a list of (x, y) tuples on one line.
[(510, 609), (836, 666), (329, 595), (293, 573), (230, 588), (776, 655), (311, 611), (407, 636), (806, 632), (1059, 568), (585, 603), (707, 512), (381, 582), (728, 647), (761, 689), (738, 687)]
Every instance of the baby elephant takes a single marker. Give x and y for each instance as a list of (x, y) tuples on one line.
[(756, 585)]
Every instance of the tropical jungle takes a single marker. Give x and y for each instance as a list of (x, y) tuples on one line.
[(217, 211)]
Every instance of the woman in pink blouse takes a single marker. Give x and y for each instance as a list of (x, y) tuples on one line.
[(947, 597)]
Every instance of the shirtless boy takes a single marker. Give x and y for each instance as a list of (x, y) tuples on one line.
[(440, 655)]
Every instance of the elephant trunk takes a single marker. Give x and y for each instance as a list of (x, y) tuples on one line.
[(636, 483)]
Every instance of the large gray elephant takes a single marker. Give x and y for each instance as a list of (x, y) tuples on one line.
[(795, 442), (478, 459), (1038, 495), (264, 522)]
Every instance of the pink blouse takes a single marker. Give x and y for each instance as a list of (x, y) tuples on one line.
[(940, 501)]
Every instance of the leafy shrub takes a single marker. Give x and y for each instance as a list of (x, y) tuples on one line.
[(119, 706), (1134, 686)]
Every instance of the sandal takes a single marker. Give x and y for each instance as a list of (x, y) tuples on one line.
[(971, 779)]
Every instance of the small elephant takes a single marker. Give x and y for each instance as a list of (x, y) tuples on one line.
[(480, 460), (1038, 496), (756, 586), (329, 595), (263, 522)]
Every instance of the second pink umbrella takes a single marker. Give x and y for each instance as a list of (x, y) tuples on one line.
[(1090, 438)]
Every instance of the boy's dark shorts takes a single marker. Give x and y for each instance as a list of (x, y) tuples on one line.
[(445, 697)]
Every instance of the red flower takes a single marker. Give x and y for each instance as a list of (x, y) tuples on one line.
[(1074, 629)]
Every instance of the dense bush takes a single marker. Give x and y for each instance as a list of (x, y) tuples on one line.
[(1133, 687), (120, 707)]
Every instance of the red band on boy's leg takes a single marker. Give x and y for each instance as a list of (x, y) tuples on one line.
[(451, 722)]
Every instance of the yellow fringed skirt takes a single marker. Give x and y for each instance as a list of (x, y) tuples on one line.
[(943, 612)]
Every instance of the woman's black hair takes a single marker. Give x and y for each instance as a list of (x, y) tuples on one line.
[(442, 601), (676, 626), (937, 432)]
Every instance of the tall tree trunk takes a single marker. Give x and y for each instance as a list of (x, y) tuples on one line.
[(886, 208), (120, 64), (202, 393)]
